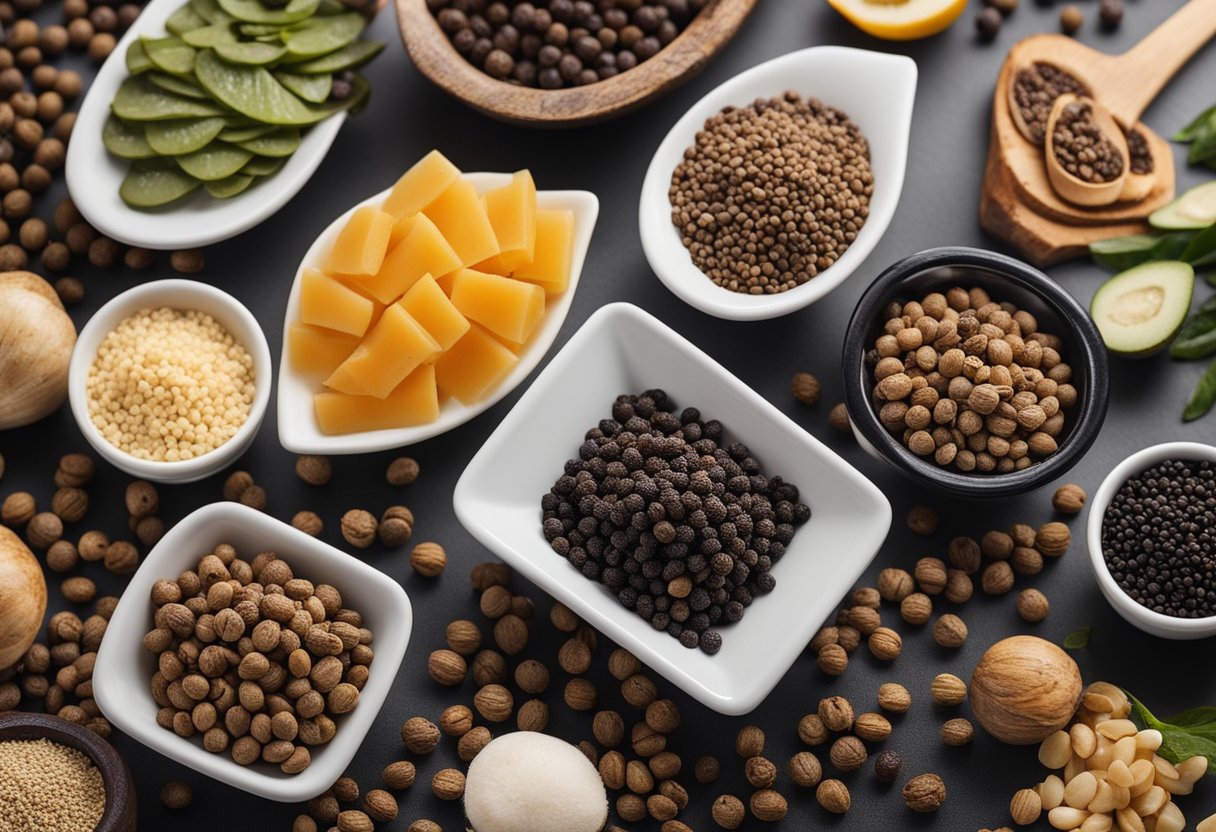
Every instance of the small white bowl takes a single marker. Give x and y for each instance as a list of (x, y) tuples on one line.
[(298, 431), (623, 349), (874, 89), (184, 295), (121, 679), (94, 175), (1154, 623)]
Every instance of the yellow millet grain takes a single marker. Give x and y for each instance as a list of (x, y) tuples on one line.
[(48, 787), (169, 385)]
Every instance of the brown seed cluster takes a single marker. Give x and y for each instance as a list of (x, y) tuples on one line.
[(772, 193), (1034, 91), (1082, 148), (48, 787), (970, 383), (257, 661)]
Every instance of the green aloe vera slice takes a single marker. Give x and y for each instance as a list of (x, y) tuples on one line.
[(210, 11), (282, 142), (313, 88), (215, 161), (184, 20), (126, 140), (152, 183), (170, 54), (348, 57), (178, 86), (254, 92), (263, 166), (236, 135), (175, 138), (254, 11), (138, 99), (229, 186), (321, 35), (137, 59), (212, 35), (250, 54)]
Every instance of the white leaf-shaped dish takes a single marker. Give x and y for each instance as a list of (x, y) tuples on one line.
[(298, 431)]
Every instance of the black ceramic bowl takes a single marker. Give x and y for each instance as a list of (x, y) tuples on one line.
[(1005, 279)]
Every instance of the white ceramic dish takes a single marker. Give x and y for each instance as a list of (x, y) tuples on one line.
[(176, 294), (94, 175), (620, 349), (124, 667), (874, 89), (1154, 623), (298, 431)]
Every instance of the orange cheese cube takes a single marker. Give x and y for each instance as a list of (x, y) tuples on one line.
[(422, 251), (550, 266), (420, 185), (461, 218), (391, 351), (474, 366), (414, 401), (445, 281), (512, 212), (509, 308), (429, 306), (401, 228), (361, 243), (328, 303), (317, 351)]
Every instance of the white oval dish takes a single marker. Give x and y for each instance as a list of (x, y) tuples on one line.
[(94, 175), (124, 667), (298, 430), (175, 294), (1136, 614), (874, 89)]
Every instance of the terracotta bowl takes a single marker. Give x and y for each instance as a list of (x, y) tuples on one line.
[(119, 815), (435, 56)]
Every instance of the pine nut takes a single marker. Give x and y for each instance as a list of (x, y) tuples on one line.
[(1084, 740), (1080, 791), (1051, 791), (1119, 774), (1055, 751), (1100, 823), (1165, 769), (1208, 824), (1142, 776), (1104, 799), (1116, 729), (1125, 750), (1170, 819), (1150, 802), (1192, 768), (1149, 739), (1128, 821), (1074, 767), (1066, 817)]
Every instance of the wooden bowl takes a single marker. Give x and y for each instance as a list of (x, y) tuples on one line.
[(120, 811), (437, 59)]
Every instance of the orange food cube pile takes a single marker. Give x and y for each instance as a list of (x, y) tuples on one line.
[(426, 297)]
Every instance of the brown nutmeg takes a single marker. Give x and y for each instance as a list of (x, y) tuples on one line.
[(925, 793), (1024, 689), (428, 559)]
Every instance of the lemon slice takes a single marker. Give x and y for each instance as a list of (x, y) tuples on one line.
[(900, 19)]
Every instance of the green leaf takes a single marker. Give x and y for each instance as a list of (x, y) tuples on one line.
[(348, 57), (152, 183), (1187, 134), (1179, 742), (1077, 639), (138, 99), (1122, 253), (1197, 339), (1204, 396), (1201, 250), (1203, 147), (1204, 717)]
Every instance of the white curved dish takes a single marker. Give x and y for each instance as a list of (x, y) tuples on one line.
[(874, 89), (94, 175), (298, 431)]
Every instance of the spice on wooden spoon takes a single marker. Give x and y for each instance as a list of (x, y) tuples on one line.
[(1086, 152)]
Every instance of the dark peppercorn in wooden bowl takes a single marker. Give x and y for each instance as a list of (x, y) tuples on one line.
[(120, 811), (433, 53)]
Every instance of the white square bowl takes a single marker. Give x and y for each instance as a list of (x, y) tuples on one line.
[(298, 430), (622, 349), (122, 676)]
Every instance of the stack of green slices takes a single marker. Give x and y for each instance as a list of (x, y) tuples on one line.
[(221, 100)]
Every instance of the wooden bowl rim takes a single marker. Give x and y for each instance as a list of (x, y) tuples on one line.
[(115, 776), (435, 57)]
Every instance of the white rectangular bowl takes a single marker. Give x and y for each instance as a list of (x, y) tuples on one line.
[(122, 676), (622, 349)]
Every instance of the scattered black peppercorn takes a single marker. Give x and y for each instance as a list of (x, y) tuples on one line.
[(887, 766), (1110, 13), (681, 525), (1159, 538), (988, 23)]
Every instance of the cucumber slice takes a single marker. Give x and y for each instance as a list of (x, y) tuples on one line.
[(215, 161), (212, 35), (178, 85), (170, 54), (137, 59), (126, 140), (1193, 210), (152, 183), (175, 138), (1139, 311), (229, 186)]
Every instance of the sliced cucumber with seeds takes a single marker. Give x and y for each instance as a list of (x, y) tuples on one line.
[(282, 142), (184, 20), (125, 139), (348, 57), (250, 54), (236, 135), (138, 99), (321, 35), (152, 183), (312, 88), (175, 138), (263, 166), (254, 11), (137, 59), (170, 54), (178, 85), (229, 186), (216, 161)]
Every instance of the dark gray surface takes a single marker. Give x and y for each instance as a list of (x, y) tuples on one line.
[(406, 118)]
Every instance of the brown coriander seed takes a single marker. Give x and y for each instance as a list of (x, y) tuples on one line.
[(957, 732), (833, 796), (314, 469), (925, 793), (923, 520), (749, 742), (1069, 499), (894, 698), (358, 528), (402, 471), (1032, 605), (805, 388)]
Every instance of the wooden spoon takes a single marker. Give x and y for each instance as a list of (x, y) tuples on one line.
[(1076, 190)]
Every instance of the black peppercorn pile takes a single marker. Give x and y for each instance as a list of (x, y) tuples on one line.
[(561, 43), (1081, 147), (1141, 161), (1035, 89), (772, 194), (1159, 538), (682, 528)]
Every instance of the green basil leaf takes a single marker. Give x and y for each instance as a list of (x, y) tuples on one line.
[(1077, 639), (1181, 741), (1195, 718), (1197, 338), (1187, 134), (1204, 396), (1122, 253), (1201, 250)]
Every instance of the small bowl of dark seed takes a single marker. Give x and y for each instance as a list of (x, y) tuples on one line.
[(973, 373), (1151, 539), (775, 187)]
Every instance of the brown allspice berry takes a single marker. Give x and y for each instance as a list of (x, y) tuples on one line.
[(402, 471), (950, 631), (833, 660), (838, 418), (812, 731), (728, 811), (959, 587), (894, 698), (885, 644), (490, 573), (957, 732), (399, 775), (930, 574), (346, 789), (661, 807), (848, 753), (236, 483), (494, 702), (749, 742), (663, 716), (511, 634), (923, 520), (1052, 539), (1032, 605), (254, 496), (43, 530), (189, 261), (805, 769), (1071, 19), (78, 589), (62, 556), (580, 694), (33, 234), (446, 667), (706, 769), (308, 522), (314, 469), (997, 578), (420, 735), (1069, 499), (887, 766), (833, 796), (359, 528), (916, 608), (608, 728), (70, 290), (1026, 561), (768, 805), (805, 388), (495, 602), (176, 795), (925, 793), (138, 259), (964, 554), (532, 676), (996, 545), (428, 559)]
